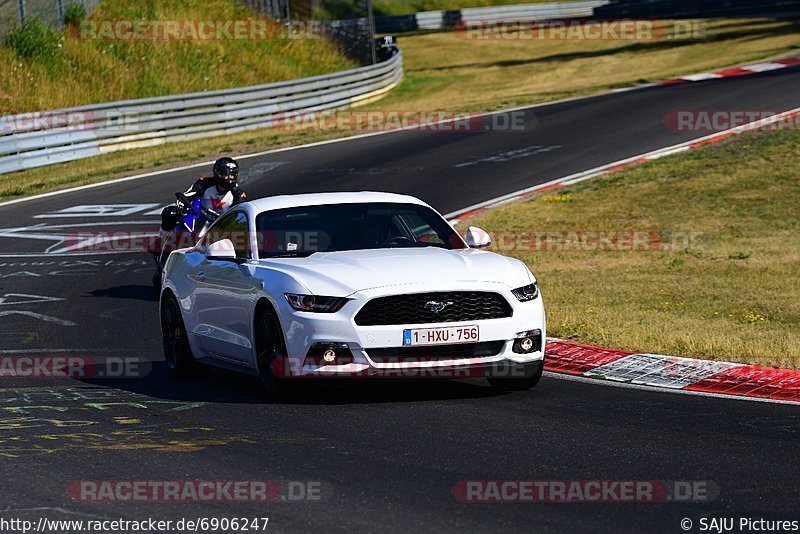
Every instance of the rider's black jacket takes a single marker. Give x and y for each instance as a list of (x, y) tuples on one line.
[(207, 182), (170, 214)]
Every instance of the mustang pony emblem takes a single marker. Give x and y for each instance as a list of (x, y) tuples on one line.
[(436, 306)]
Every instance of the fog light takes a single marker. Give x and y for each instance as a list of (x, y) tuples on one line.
[(321, 354), (527, 342)]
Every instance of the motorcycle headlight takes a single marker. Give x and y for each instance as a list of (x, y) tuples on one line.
[(526, 293), (314, 303)]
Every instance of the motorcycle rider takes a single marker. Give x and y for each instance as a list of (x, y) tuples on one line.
[(217, 193)]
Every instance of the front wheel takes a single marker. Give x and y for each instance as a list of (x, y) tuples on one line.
[(271, 352), (177, 351), (160, 259), (157, 281), (528, 379)]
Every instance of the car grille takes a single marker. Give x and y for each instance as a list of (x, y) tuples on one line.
[(410, 309), (483, 349)]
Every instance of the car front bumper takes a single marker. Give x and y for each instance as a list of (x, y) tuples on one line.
[(304, 329)]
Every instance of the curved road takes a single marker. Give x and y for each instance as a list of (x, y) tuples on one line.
[(388, 454)]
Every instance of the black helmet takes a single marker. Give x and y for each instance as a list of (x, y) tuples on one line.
[(226, 173)]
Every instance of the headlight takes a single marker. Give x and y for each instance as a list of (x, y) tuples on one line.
[(313, 303), (526, 293)]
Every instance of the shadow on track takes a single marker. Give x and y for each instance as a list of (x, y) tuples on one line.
[(136, 292), (229, 387)]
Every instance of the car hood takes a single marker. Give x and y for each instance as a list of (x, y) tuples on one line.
[(345, 273)]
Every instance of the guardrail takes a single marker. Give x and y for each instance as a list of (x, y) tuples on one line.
[(33, 140), (704, 9), (527, 12), (439, 20)]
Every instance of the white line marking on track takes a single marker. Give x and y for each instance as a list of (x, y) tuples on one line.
[(671, 152), (508, 155), (38, 316), (24, 232), (764, 67), (13, 299), (71, 255), (98, 210), (701, 77), (43, 226), (94, 241), (48, 351), (634, 87)]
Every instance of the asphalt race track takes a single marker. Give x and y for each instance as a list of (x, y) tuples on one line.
[(390, 453)]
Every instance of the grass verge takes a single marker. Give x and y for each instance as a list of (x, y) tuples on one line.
[(42, 70), (724, 282), (445, 73)]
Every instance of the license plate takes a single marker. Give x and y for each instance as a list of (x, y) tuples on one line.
[(448, 335)]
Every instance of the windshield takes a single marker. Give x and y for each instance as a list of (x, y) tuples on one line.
[(336, 227)]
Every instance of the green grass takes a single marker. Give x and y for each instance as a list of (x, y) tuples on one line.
[(42, 70), (725, 283)]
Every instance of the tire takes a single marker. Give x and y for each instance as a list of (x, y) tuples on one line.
[(157, 281), (160, 260), (533, 373), (177, 352), (270, 346)]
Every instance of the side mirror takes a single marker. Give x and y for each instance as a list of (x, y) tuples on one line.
[(223, 251), (477, 238)]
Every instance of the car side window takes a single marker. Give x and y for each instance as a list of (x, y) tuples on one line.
[(421, 231), (233, 226)]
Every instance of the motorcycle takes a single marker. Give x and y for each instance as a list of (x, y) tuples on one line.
[(194, 221)]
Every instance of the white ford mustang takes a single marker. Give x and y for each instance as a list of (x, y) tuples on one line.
[(350, 285)]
